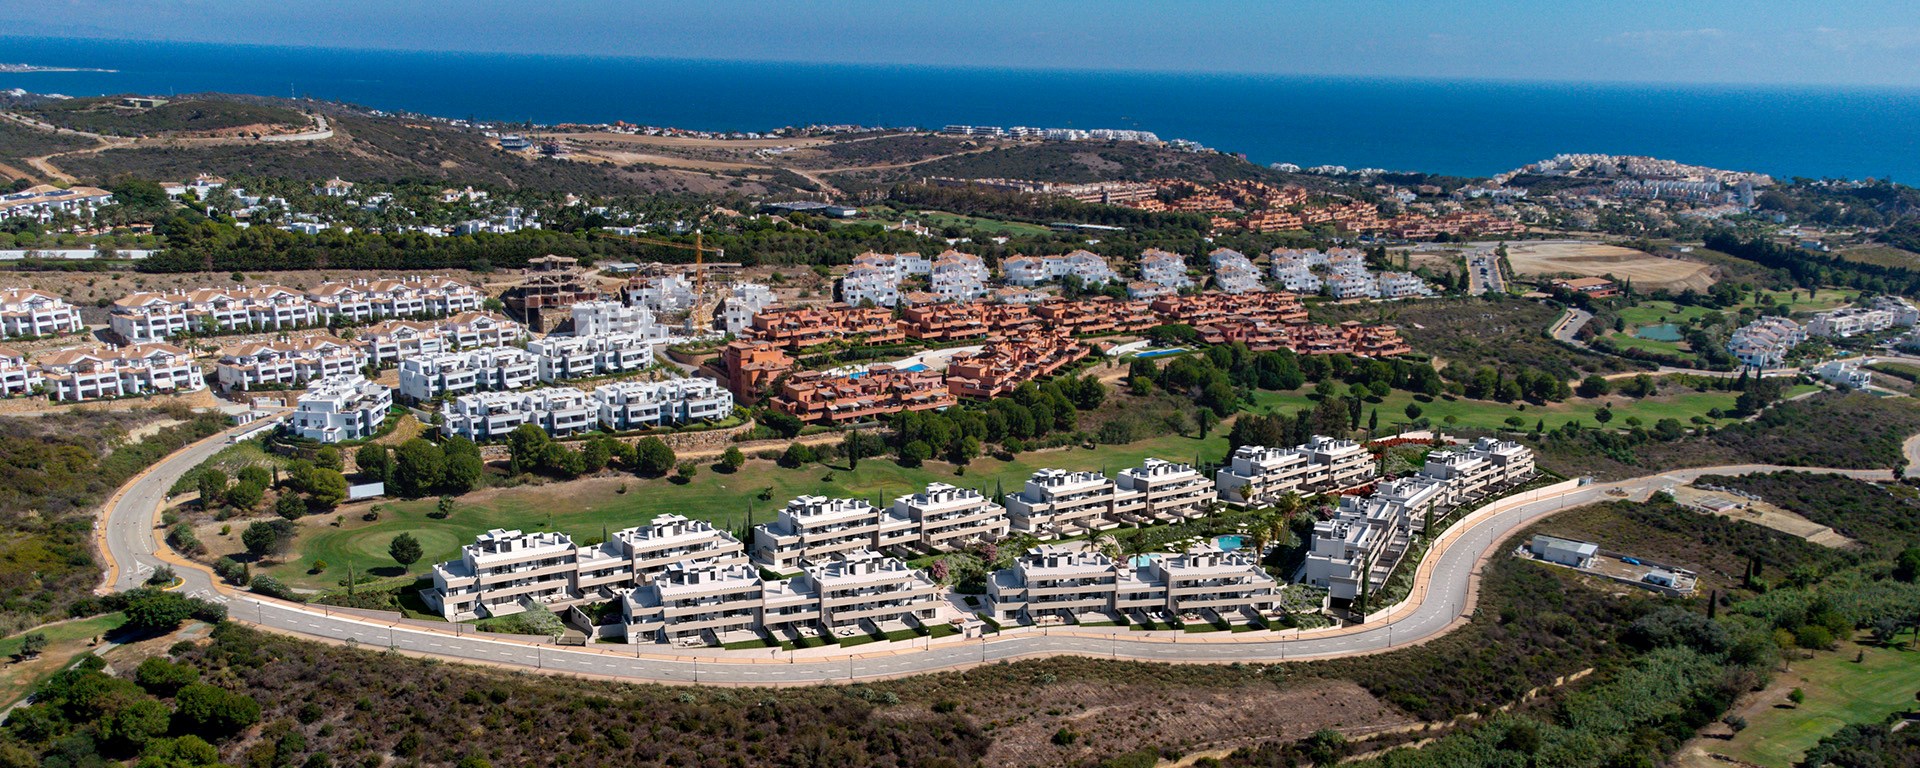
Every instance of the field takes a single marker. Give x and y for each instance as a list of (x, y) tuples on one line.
[(940, 219), (1482, 414), (195, 116), (1881, 255), (588, 508), (65, 642), (1647, 272), (1838, 692)]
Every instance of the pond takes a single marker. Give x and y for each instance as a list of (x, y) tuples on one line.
[(1658, 332)]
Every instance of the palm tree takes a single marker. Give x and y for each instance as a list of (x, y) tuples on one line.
[(1107, 544)]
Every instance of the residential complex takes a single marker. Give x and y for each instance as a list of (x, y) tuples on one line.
[(802, 327), (16, 377), (43, 202), (341, 407), (712, 604), (574, 357), (291, 361), (1348, 338), (1257, 474), (1165, 269), (1360, 545), (945, 517), (630, 405), (819, 397), (603, 318), (814, 529), (753, 367), (1882, 313), (498, 369), (1233, 272), (505, 572), (136, 369), (27, 312), (1764, 343), (143, 317), (1029, 271), (386, 343), (1006, 362), (740, 303), (1060, 584), (1160, 491), (483, 416)]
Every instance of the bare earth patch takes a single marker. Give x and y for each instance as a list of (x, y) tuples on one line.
[(1111, 720), (1596, 259)]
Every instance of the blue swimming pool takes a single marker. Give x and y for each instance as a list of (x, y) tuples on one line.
[(914, 367), (1160, 352), (1231, 543), (1140, 561)]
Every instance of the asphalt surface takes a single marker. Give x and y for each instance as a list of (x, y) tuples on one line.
[(132, 532)]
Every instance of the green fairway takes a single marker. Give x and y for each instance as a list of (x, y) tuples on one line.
[(65, 642), (587, 508), (1491, 415), (1838, 692)]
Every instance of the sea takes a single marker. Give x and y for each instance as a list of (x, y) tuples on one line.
[(1454, 127)]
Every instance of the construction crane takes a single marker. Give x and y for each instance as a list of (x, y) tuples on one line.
[(701, 314)]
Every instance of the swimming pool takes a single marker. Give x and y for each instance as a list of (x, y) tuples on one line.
[(1160, 352), (914, 367), (1231, 543)]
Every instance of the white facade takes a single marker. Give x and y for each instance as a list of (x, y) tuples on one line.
[(741, 303), (597, 318), (1258, 474), (573, 357), (1029, 271), (143, 317), (814, 529), (16, 377), (957, 276), (1233, 272), (482, 416), (946, 517), (425, 377), (79, 374), (1844, 373), (1165, 269), (27, 312), (43, 202), (630, 405), (287, 362), (1058, 502), (344, 407), (1162, 491), (1882, 313), (1060, 584), (1764, 343)]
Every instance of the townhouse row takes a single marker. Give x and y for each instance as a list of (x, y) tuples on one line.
[(28, 312), (1366, 536), (72, 375), (815, 529), (141, 317), (341, 407), (565, 411), (1063, 584), (1257, 475)]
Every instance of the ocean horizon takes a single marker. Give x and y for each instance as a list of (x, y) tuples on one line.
[(1465, 128)]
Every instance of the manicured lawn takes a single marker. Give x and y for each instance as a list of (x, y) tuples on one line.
[(1682, 405), (941, 219), (65, 642), (1838, 692), (589, 508), (1629, 341)]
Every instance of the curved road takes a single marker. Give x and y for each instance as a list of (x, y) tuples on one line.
[(1444, 594)]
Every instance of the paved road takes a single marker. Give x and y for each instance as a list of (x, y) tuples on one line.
[(1570, 324), (1450, 579)]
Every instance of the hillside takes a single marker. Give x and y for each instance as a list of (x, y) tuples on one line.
[(189, 115), (1080, 162), (391, 150)]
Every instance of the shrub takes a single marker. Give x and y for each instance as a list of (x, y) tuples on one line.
[(212, 712)]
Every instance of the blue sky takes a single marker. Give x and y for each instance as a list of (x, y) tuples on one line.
[(1855, 42)]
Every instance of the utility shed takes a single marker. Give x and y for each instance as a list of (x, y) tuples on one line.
[(1578, 554)]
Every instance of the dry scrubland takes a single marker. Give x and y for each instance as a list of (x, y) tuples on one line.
[(1647, 272)]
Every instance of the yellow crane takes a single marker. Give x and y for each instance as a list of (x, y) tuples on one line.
[(701, 315)]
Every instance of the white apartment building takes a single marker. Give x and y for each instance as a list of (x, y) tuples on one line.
[(502, 572), (156, 316), (385, 343), (1358, 547), (16, 377), (1352, 285), (1844, 373), (741, 302), (956, 276), (289, 362), (1233, 272), (497, 369), (341, 407), (413, 296), (501, 567), (814, 529), (1142, 289), (574, 357), (1161, 491), (1029, 271), (863, 589), (1165, 268), (43, 202), (630, 405), (27, 312), (482, 416), (1059, 502), (1882, 313), (81, 374), (1403, 285), (1260, 474), (1298, 279), (667, 293), (712, 604), (946, 517), (1765, 342), (869, 284), (1057, 584), (600, 318)]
